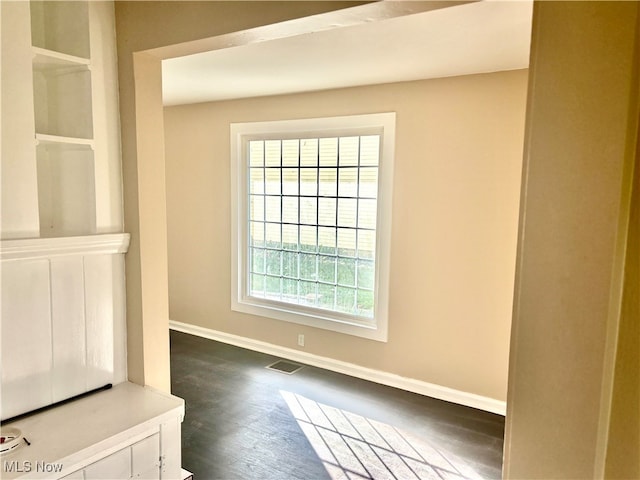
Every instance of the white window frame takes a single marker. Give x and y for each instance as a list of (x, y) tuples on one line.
[(375, 328)]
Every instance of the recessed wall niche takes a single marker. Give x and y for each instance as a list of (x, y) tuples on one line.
[(66, 189), (61, 27), (62, 96)]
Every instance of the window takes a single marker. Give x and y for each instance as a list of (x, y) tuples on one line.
[(311, 217)]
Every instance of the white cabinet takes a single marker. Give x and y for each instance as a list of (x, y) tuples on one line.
[(116, 465), (141, 460), (127, 432), (145, 458), (60, 133)]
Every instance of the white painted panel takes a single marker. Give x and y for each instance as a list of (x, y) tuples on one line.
[(119, 321), (18, 182), (98, 274), (106, 127), (26, 336), (152, 474), (171, 448), (71, 356), (146, 458), (67, 310), (115, 466)]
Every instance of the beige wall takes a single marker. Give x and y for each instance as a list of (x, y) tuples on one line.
[(582, 124), (541, 445), (455, 214), (141, 26)]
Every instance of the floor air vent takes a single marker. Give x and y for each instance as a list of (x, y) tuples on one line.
[(285, 367)]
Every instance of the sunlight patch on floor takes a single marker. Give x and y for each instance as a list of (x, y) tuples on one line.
[(355, 447)]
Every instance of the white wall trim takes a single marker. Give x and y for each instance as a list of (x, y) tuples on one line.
[(28, 248), (377, 376)]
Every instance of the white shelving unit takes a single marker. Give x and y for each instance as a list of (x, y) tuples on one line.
[(63, 116), (63, 314), (60, 136)]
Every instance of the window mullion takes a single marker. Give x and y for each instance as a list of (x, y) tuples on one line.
[(317, 220), (357, 219), (281, 282), (264, 218), (335, 292), (298, 250)]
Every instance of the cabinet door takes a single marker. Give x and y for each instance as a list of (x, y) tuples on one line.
[(114, 467), (78, 475), (146, 458), (171, 449)]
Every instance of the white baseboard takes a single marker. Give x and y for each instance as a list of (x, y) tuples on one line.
[(377, 376)]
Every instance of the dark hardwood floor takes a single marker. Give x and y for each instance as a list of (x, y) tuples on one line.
[(244, 421)]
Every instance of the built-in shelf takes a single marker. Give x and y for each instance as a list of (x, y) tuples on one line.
[(61, 73), (63, 142), (66, 189), (61, 26), (62, 101), (61, 163), (44, 59)]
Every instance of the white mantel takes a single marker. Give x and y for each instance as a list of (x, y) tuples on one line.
[(28, 248)]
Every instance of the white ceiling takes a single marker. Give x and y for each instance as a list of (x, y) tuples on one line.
[(486, 36)]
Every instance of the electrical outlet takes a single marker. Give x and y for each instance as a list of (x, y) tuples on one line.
[(301, 340)]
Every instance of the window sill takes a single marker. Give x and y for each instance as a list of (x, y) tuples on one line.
[(375, 330)]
